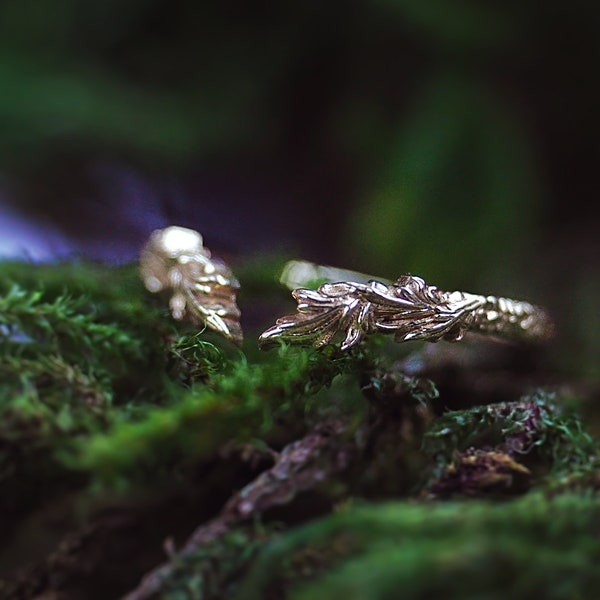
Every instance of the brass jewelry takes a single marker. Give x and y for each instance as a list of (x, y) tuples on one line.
[(203, 289), (407, 308)]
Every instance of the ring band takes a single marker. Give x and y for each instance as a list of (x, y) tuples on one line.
[(203, 288), (409, 309)]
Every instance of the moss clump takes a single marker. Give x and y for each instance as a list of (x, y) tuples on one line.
[(532, 547), (273, 401), (536, 435), (63, 372), (82, 349)]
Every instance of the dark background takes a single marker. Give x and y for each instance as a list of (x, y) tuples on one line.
[(453, 140)]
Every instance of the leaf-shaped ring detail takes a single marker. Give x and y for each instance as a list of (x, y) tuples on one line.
[(345, 312), (203, 288)]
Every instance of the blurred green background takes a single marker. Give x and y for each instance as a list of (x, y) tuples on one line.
[(454, 140)]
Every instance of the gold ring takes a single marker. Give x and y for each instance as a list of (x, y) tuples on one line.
[(408, 308), (203, 288)]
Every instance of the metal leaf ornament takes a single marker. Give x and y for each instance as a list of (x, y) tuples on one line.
[(203, 289), (408, 308)]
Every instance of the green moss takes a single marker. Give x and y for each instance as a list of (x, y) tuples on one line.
[(82, 348), (245, 402), (532, 547)]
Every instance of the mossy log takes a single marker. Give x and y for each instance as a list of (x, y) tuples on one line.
[(142, 457)]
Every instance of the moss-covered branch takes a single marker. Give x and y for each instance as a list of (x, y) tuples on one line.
[(343, 470)]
